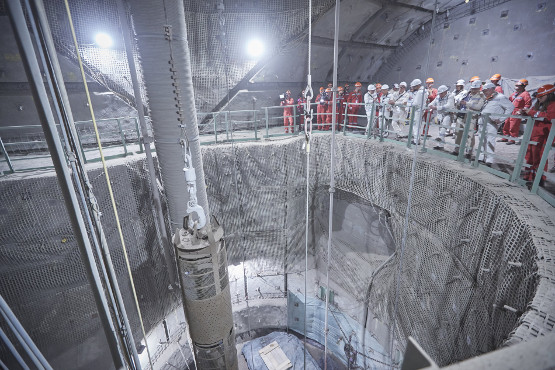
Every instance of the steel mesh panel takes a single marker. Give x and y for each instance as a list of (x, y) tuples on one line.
[(41, 269)]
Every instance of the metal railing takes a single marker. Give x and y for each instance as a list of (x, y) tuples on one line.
[(122, 136)]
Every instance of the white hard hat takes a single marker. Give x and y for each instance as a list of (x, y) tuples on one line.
[(476, 84), (395, 86), (371, 87), (489, 85), (442, 88), (385, 87), (403, 84), (415, 82), (460, 83)]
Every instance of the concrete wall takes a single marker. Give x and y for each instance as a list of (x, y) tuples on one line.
[(516, 46)]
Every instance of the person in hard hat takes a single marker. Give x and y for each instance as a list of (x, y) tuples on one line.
[(473, 102), (320, 108), (496, 104), (440, 104), (459, 95), (544, 108), (521, 99), (370, 99), (417, 105), (400, 102), (340, 106), (301, 104), (495, 80), (287, 102), (428, 115), (386, 110), (354, 99), (329, 109)]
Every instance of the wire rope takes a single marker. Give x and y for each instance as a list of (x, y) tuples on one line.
[(105, 168), (409, 197), (308, 138)]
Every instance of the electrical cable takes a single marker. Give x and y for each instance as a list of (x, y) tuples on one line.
[(105, 168), (409, 198)]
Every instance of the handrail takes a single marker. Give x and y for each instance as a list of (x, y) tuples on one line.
[(270, 119)]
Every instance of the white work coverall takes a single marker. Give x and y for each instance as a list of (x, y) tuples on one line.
[(497, 104), (420, 96), (369, 98), (444, 118), (399, 111)]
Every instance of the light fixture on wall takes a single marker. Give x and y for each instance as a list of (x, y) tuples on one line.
[(103, 40), (255, 48)]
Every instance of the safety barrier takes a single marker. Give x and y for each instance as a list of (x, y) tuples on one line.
[(122, 136)]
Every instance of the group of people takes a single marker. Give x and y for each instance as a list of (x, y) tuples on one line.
[(390, 109)]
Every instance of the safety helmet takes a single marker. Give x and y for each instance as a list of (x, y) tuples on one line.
[(430, 80), (378, 86), (488, 85), (415, 82), (460, 83), (340, 88), (328, 89), (403, 84), (358, 84), (442, 88), (322, 89), (371, 87), (476, 84), (523, 82), (472, 79), (546, 89), (395, 86), (385, 87), (495, 77)]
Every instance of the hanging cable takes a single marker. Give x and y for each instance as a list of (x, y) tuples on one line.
[(409, 199), (332, 175), (105, 168), (308, 138)]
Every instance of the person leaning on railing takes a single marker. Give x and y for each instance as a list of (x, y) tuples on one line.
[(473, 102), (545, 108), (496, 104)]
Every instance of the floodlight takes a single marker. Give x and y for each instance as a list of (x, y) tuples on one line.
[(255, 48), (103, 40)]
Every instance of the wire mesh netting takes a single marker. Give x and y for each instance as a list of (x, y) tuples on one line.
[(43, 278)]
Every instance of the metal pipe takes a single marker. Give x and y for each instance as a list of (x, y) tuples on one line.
[(102, 249), (26, 341), (332, 177), (46, 117), (162, 32), (12, 349), (125, 28)]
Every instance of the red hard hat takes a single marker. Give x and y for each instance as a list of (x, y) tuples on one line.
[(546, 89), (378, 86), (430, 80), (358, 84), (340, 88)]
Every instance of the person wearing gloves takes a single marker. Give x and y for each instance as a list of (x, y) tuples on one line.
[(521, 100), (544, 108), (472, 102), (399, 103), (442, 102), (369, 98), (496, 104), (420, 96)]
